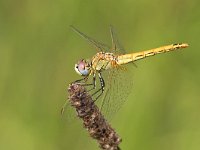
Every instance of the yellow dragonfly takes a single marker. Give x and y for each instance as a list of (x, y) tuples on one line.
[(108, 64)]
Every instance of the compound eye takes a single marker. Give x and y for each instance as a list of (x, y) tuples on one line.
[(81, 68)]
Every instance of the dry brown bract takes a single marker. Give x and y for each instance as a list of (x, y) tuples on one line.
[(93, 120)]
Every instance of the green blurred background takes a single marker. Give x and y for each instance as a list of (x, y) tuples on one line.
[(37, 55)]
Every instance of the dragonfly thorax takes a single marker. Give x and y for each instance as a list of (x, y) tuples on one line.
[(83, 67), (103, 61)]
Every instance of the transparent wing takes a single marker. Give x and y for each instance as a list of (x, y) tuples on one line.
[(118, 82), (98, 45), (67, 110), (117, 47), (118, 86)]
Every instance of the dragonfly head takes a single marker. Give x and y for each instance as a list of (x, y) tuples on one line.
[(83, 67)]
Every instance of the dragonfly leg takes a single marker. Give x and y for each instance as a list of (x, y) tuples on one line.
[(83, 81), (93, 83), (101, 88), (79, 80)]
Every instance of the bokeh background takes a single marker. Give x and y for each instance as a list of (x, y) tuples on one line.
[(37, 55)]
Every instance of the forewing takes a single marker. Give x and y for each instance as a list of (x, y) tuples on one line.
[(68, 113), (98, 45)]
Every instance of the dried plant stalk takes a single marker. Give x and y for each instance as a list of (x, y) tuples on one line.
[(93, 120)]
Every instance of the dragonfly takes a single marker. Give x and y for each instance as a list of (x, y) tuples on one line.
[(109, 65)]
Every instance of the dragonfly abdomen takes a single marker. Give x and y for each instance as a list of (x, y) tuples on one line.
[(124, 59)]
